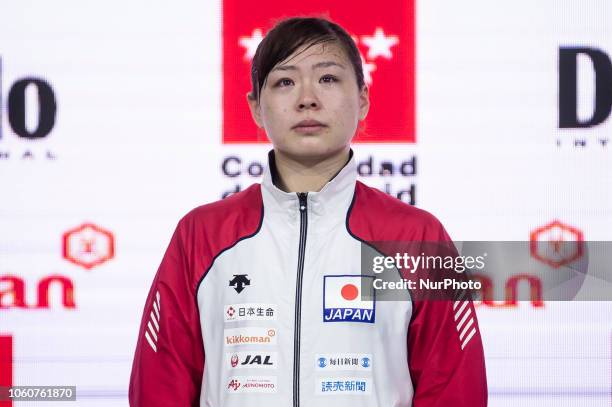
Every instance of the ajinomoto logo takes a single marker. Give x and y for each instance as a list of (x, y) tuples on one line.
[(557, 244), (386, 44), (88, 245), (252, 384)]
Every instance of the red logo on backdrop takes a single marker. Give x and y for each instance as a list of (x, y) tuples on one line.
[(386, 41), (557, 244), (6, 369), (13, 292), (88, 245)]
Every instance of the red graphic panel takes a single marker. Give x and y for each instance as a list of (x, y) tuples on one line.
[(557, 244), (385, 35), (6, 367), (88, 245)]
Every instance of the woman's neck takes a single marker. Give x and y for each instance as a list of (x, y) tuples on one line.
[(303, 175)]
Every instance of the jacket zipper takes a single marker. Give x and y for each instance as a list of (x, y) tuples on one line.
[(298, 297)]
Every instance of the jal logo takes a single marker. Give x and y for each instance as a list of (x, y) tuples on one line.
[(239, 282), (386, 44), (252, 360), (88, 245), (257, 360), (344, 301), (230, 312), (556, 244)]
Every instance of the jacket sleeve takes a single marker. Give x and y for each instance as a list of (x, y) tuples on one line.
[(446, 358), (169, 359), (445, 352)]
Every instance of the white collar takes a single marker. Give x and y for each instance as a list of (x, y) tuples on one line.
[(333, 198)]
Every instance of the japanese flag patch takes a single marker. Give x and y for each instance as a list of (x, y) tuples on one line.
[(348, 298)]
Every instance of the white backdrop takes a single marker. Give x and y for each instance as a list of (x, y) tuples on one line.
[(137, 142)]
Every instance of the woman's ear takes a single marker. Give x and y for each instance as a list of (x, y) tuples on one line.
[(364, 102), (254, 108)]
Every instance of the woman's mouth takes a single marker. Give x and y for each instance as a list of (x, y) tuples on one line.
[(308, 129), (309, 126)]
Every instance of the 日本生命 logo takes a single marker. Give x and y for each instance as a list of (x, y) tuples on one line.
[(344, 301), (250, 312)]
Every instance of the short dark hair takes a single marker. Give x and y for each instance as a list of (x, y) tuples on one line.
[(290, 34)]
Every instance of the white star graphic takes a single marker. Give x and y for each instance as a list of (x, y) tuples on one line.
[(368, 67), (380, 44), (251, 43)]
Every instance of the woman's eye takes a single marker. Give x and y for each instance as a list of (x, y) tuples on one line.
[(284, 82), (329, 79)]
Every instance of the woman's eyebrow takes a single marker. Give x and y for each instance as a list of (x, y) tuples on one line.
[(324, 64)]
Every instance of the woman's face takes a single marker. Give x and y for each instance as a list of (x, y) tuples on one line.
[(310, 105)]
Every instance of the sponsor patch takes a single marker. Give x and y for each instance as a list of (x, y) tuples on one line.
[(250, 336), (251, 384), (251, 360), (344, 301), (330, 386), (344, 361), (249, 312)]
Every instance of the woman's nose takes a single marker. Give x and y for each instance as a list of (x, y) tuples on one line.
[(308, 99)]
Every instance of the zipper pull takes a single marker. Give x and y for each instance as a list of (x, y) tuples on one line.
[(303, 201)]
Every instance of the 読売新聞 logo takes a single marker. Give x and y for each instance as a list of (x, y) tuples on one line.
[(344, 301), (331, 386)]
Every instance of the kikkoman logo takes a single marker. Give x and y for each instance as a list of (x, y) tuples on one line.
[(251, 335)]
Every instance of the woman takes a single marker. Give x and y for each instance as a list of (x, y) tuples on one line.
[(256, 302)]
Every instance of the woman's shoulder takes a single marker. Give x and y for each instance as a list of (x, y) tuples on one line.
[(242, 210), (382, 216)]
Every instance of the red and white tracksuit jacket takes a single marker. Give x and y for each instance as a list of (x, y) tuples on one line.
[(255, 304)]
